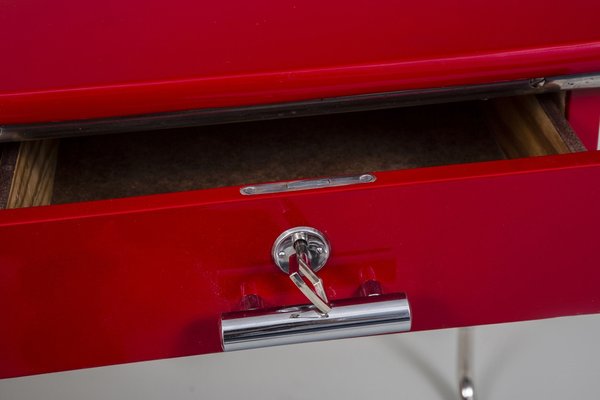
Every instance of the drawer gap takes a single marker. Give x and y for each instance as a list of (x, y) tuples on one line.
[(529, 126), (123, 165)]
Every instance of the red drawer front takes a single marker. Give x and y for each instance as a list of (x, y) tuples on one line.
[(71, 59), (107, 282)]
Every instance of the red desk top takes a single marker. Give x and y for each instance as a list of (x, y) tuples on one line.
[(69, 59)]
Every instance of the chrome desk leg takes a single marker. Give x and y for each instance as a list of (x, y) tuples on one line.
[(466, 390)]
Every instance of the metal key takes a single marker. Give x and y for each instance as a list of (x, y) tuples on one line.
[(306, 245), (318, 297)]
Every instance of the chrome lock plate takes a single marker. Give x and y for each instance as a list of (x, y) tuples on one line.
[(318, 248)]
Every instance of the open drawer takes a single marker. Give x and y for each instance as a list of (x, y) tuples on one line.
[(499, 236)]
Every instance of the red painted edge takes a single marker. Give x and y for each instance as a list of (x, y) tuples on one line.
[(293, 85), (225, 195)]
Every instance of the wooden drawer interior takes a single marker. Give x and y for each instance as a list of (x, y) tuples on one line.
[(122, 165)]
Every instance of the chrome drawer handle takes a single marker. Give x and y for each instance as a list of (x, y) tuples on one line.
[(300, 252), (363, 316)]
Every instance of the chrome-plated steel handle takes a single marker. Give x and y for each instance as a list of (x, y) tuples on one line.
[(362, 316)]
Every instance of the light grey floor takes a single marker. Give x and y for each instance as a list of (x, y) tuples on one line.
[(549, 359)]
